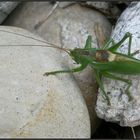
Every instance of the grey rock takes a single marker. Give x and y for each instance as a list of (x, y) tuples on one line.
[(6, 8), (109, 9), (99, 5), (122, 111), (66, 4)]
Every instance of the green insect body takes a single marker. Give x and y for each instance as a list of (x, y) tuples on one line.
[(121, 64), (105, 62)]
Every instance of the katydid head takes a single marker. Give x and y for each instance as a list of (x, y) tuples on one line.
[(75, 55), (80, 55)]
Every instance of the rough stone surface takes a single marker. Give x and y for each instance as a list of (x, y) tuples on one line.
[(122, 111), (6, 8), (67, 27), (99, 5), (109, 9), (66, 4), (32, 105)]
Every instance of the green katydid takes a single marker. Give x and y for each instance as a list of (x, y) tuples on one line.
[(104, 61)]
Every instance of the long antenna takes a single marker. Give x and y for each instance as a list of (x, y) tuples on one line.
[(51, 46), (42, 41)]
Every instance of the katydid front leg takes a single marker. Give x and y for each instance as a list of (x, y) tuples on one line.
[(129, 82), (83, 66)]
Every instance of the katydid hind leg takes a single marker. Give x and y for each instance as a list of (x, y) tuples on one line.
[(128, 35), (111, 41), (80, 68), (99, 82), (134, 53), (129, 45), (117, 45), (127, 81)]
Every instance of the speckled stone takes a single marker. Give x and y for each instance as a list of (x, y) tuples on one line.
[(122, 111), (32, 105)]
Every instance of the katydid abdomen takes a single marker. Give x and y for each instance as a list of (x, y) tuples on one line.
[(116, 63), (120, 67)]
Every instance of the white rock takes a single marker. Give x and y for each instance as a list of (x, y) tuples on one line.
[(122, 111), (68, 27), (32, 105)]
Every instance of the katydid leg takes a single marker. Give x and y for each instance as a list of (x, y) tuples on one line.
[(129, 82), (99, 82), (66, 71), (134, 53), (128, 35), (88, 42), (116, 46), (129, 44), (108, 43)]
